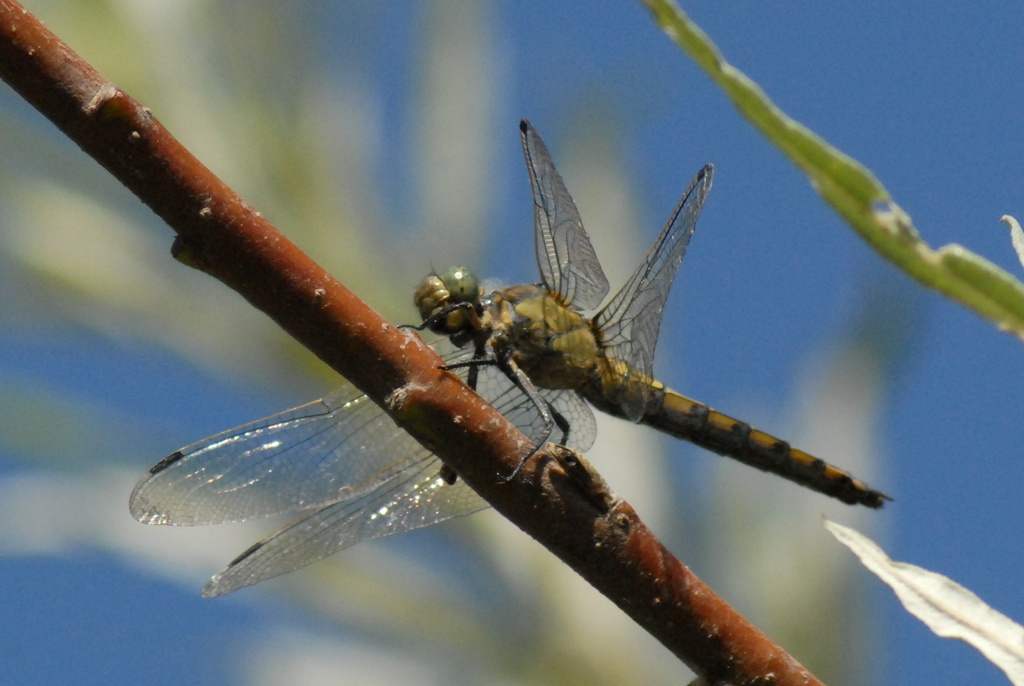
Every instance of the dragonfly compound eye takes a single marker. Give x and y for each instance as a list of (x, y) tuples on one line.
[(441, 299), (462, 284)]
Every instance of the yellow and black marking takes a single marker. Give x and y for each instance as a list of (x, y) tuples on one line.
[(697, 423)]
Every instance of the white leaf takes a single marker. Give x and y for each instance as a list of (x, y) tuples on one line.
[(946, 607), (1016, 236)]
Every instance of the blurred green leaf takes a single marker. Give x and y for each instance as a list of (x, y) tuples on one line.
[(853, 191)]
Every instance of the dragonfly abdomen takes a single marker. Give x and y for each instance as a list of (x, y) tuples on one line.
[(697, 423)]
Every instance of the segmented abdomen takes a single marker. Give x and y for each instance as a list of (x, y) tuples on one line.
[(697, 423)]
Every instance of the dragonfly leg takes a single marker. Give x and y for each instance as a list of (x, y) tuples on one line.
[(549, 416), (479, 359), (430, 321), (439, 323), (484, 361), (523, 383), (561, 422), (480, 353)]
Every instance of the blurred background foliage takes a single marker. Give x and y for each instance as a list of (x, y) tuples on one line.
[(380, 137)]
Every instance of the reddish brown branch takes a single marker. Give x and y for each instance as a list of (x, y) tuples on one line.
[(556, 499)]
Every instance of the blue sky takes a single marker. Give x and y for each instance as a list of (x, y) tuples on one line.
[(775, 296)]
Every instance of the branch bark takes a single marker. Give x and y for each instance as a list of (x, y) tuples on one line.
[(556, 498)]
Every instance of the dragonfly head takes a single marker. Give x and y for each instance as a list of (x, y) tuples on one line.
[(439, 297)]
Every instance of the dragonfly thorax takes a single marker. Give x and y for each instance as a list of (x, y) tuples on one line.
[(552, 343)]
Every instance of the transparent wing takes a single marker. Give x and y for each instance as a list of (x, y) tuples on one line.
[(414, 498), (630, 322), (341, 448), (410, 498), (567, 261), (340, 460), (302, 458)]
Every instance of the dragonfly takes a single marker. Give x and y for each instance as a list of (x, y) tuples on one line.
[(348, 473)]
